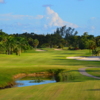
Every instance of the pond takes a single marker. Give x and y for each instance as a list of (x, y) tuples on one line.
[(29, 82)]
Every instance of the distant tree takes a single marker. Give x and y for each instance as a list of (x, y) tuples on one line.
[(35, 43), (0, 30), (67, 34), (3, 39), (84, 43), (91, 37), (96, 52), (97, 41), (92, 44), (10, 43), (70, 32), (85, 34), (30, 41)]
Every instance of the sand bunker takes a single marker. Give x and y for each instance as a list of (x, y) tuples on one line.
[(40, 50), (91, 58), (57, 49)]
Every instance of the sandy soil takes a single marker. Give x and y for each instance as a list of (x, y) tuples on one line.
[(39, 50), (91, 58), (57, 49)]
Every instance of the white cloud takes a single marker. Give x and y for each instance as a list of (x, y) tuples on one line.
[(39, 16), (92, 18), (92, 27), (1, 1), (39, 23), (52, 19), (10, 16)]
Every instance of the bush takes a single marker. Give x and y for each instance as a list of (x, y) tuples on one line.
[(45, 45), (60, 45)]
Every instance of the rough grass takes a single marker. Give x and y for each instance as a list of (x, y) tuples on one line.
[(78, 86)]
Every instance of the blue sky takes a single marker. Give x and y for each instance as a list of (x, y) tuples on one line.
[(44, 16)]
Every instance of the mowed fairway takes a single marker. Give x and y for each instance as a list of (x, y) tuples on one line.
[(78, 87)]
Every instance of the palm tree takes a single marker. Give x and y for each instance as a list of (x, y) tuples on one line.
[(21, 45), (35, 43), (10, 44)]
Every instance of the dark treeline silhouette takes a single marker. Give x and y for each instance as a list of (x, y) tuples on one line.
[(63, 36)]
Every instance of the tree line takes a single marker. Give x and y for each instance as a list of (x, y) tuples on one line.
[(62, 37)]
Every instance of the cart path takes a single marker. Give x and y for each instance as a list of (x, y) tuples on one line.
[(83, 72)]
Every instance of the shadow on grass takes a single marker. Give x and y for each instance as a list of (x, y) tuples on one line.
[(92, 70), (93, 90), (70, 62), (85, 70), (60, 56), (77, 62), (71, 53), (59, 59)]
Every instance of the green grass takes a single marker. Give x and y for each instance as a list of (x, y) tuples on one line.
[(88, 90), (94, 71), (76, 87)]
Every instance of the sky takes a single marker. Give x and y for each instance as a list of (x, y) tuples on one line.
[(44, 16)]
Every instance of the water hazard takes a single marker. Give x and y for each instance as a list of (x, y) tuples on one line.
[(37, 81)]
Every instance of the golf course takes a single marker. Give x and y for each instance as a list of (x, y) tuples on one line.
[(74, 86)]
